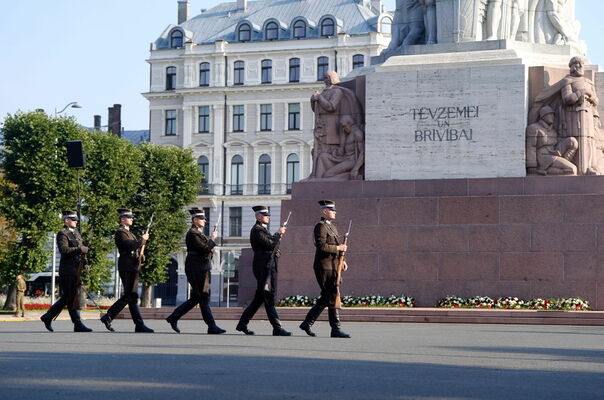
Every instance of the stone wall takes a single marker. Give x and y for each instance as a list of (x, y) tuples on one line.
[(526, 237)]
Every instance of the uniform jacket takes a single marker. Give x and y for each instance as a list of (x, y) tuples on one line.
[(69, 246), (263, 244), (127, 245), (199, 249), (326, 242), (21, 285)]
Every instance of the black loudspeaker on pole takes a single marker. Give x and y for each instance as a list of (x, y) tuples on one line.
[(76, 158)]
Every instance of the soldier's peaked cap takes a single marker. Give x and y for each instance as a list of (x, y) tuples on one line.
[(261, 210), (197, 213), (72, 215), (329, 204), (125, 212)]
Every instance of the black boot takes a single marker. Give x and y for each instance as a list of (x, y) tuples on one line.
[(208, 318), (173, 321), (78, 326), (106, 320), (281, 332), (310, 319), (242, 327), (47, 319), (140, 326), (334, 322)]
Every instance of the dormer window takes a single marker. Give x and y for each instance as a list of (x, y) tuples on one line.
[(327, 27), (176, 39), (271, 31), (245, 33), (299, 29), (387, 25)]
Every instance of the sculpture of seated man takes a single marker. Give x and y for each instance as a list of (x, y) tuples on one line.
[(554, 154), (346, 162)]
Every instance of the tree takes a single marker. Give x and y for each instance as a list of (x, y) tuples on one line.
[(170, 180), (37, 184), (109, 182)]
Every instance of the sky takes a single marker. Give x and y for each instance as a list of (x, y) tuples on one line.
[(93, 52)]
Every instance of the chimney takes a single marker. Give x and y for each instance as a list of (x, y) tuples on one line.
[(242, 5), (183, 11), (97, 122), (377, 6), (114, 124)]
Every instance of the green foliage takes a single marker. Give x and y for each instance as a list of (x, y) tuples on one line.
[(169, 181), (37, 184), (109, 182)]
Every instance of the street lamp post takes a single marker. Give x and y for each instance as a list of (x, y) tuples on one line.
[(73, 104)]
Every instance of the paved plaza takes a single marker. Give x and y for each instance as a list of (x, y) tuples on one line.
[(381, 361)]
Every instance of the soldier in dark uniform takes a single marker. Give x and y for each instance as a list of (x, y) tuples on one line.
[(128, 246), (71, 248), (197, 267), (265, 271), (328, 247)]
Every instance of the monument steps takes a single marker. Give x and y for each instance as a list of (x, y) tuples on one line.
[(405, 315)]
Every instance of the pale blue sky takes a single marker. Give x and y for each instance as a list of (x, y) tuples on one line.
[(93, 52)]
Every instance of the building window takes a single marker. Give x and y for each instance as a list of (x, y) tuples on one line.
[(204, 119), (235, 221), (293, 116), (358, 61), (204, 74), (266, 117), (267, 71), (264, 174), (271, 32), (386, 25), (327, 27), (245, 33), (176, 39), (294, 70), (299, 29), (170, 78), (239, 75), (170, 122), (238, 119), (322, 67), (293, 171), (237, 175), (204, 168), (206, 228)]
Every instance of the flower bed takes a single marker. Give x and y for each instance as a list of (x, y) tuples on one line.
[(351, 301), (510, 303)]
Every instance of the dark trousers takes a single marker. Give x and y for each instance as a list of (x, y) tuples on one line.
[(327, 282), (68, 293), (262, 297), (200, 294), (129, 297)]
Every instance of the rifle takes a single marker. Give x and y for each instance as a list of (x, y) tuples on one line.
[(271, 262), (217, 221), (339, 269), (141, 252)]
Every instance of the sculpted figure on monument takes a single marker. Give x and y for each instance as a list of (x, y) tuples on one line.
[(346, 162), (338, 117), (553, 154), (408, 25), (504, 19), (553, 24), (575, 101), (429, 8)]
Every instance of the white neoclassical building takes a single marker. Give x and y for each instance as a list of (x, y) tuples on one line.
[(233, 84)]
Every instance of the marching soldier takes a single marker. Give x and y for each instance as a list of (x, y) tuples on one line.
[(21, 287), (325, 265), (128, 246), (265, 271), (197, 268), (71, 248)]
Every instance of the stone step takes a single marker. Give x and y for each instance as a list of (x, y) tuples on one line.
[(414, 315)]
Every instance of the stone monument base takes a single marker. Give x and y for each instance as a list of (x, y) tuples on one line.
[(527, 237)]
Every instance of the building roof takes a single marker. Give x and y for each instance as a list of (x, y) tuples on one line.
[(354, 17)]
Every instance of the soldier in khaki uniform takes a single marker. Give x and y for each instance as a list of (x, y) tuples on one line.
[(21, 286)]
